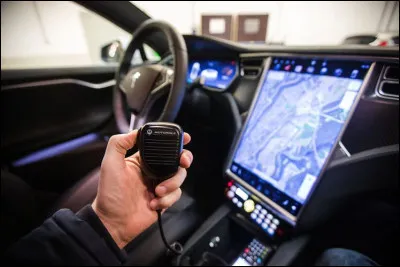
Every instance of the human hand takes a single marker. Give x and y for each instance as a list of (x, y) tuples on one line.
[(123, 202)]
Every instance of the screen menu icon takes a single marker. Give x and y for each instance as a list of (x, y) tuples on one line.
[(298, 68), (354, 74)]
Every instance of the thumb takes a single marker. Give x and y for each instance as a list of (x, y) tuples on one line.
[(118, 145)]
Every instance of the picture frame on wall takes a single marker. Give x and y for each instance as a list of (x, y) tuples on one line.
[(252, 28), (220, 26)]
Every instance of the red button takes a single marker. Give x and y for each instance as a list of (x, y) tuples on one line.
[(246, 250)]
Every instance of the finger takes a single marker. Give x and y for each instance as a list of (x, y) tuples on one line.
[(186, 159), (186, 138), (171, 184), (135, 156), (166, 201), (119, 144)]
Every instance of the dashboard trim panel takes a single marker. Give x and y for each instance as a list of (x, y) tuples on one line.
[(344, 149), (343, 57), (96, 86), (279, 211)]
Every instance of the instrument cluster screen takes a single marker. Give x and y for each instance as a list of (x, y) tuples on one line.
[(214, 74)]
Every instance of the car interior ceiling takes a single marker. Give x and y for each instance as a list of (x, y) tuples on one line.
[(54, 139)]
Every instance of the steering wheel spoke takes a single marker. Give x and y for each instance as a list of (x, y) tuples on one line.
[(163, 84), (136, 121)]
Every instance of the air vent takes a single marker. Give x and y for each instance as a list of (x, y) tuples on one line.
[(251, 67), (252, 62), (391, 73), (390, 89), (253, 72), (388, 85)]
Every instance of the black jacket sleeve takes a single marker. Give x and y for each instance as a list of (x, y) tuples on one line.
[(68, 239)]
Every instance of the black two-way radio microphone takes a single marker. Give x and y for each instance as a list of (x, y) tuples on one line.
[(160, 146)]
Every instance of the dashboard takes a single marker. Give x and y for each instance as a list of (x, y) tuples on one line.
[(213, 74), (286, 112)]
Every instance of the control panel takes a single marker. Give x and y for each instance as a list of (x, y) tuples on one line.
[(256, 211), (254, 254)]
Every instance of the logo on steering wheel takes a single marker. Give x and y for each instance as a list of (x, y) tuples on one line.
[(134, 77), (149, 132)]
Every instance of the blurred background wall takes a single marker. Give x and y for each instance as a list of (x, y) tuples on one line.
[(291, 22), (65, 34)]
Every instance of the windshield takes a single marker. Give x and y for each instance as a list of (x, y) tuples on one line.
[(284, 22)]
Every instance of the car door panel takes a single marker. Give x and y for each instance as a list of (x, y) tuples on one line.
[(44, 112), (52, 107)]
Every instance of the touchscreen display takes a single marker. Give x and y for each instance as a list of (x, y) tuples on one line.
[(300, 110), (217, 74)]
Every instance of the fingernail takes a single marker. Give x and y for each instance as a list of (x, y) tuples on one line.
[(162, 189), (189, 158)]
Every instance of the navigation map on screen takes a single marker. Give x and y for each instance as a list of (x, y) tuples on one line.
[(296, 120)]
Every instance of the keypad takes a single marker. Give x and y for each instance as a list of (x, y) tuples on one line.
[(256, 253), (266, 220), (258, 213)]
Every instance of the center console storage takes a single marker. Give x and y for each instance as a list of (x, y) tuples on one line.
[(227, 238)]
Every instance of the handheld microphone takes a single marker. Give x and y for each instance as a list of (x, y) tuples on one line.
[(160, 146)]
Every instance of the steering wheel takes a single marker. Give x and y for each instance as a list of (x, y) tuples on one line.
[(137, 89)]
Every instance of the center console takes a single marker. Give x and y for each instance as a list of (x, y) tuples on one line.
[(228, 238), (299, 113)]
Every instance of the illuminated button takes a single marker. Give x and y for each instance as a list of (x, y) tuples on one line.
[(233, 188), (264, 225), (241, 193), (249, 205), (239, 204), (275, 221), (262, 216), (253, 216), (235, 200), (259, 221), (269, 216), (258, 206), (263, 211), (271, 231), (256, 211), (273, 226), (267, 221), (249, 259), (230, 194)]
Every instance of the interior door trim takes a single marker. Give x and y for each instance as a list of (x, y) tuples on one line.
[(96, 86), (56, 150)]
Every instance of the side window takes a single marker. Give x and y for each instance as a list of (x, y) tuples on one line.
[(41, 34)]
